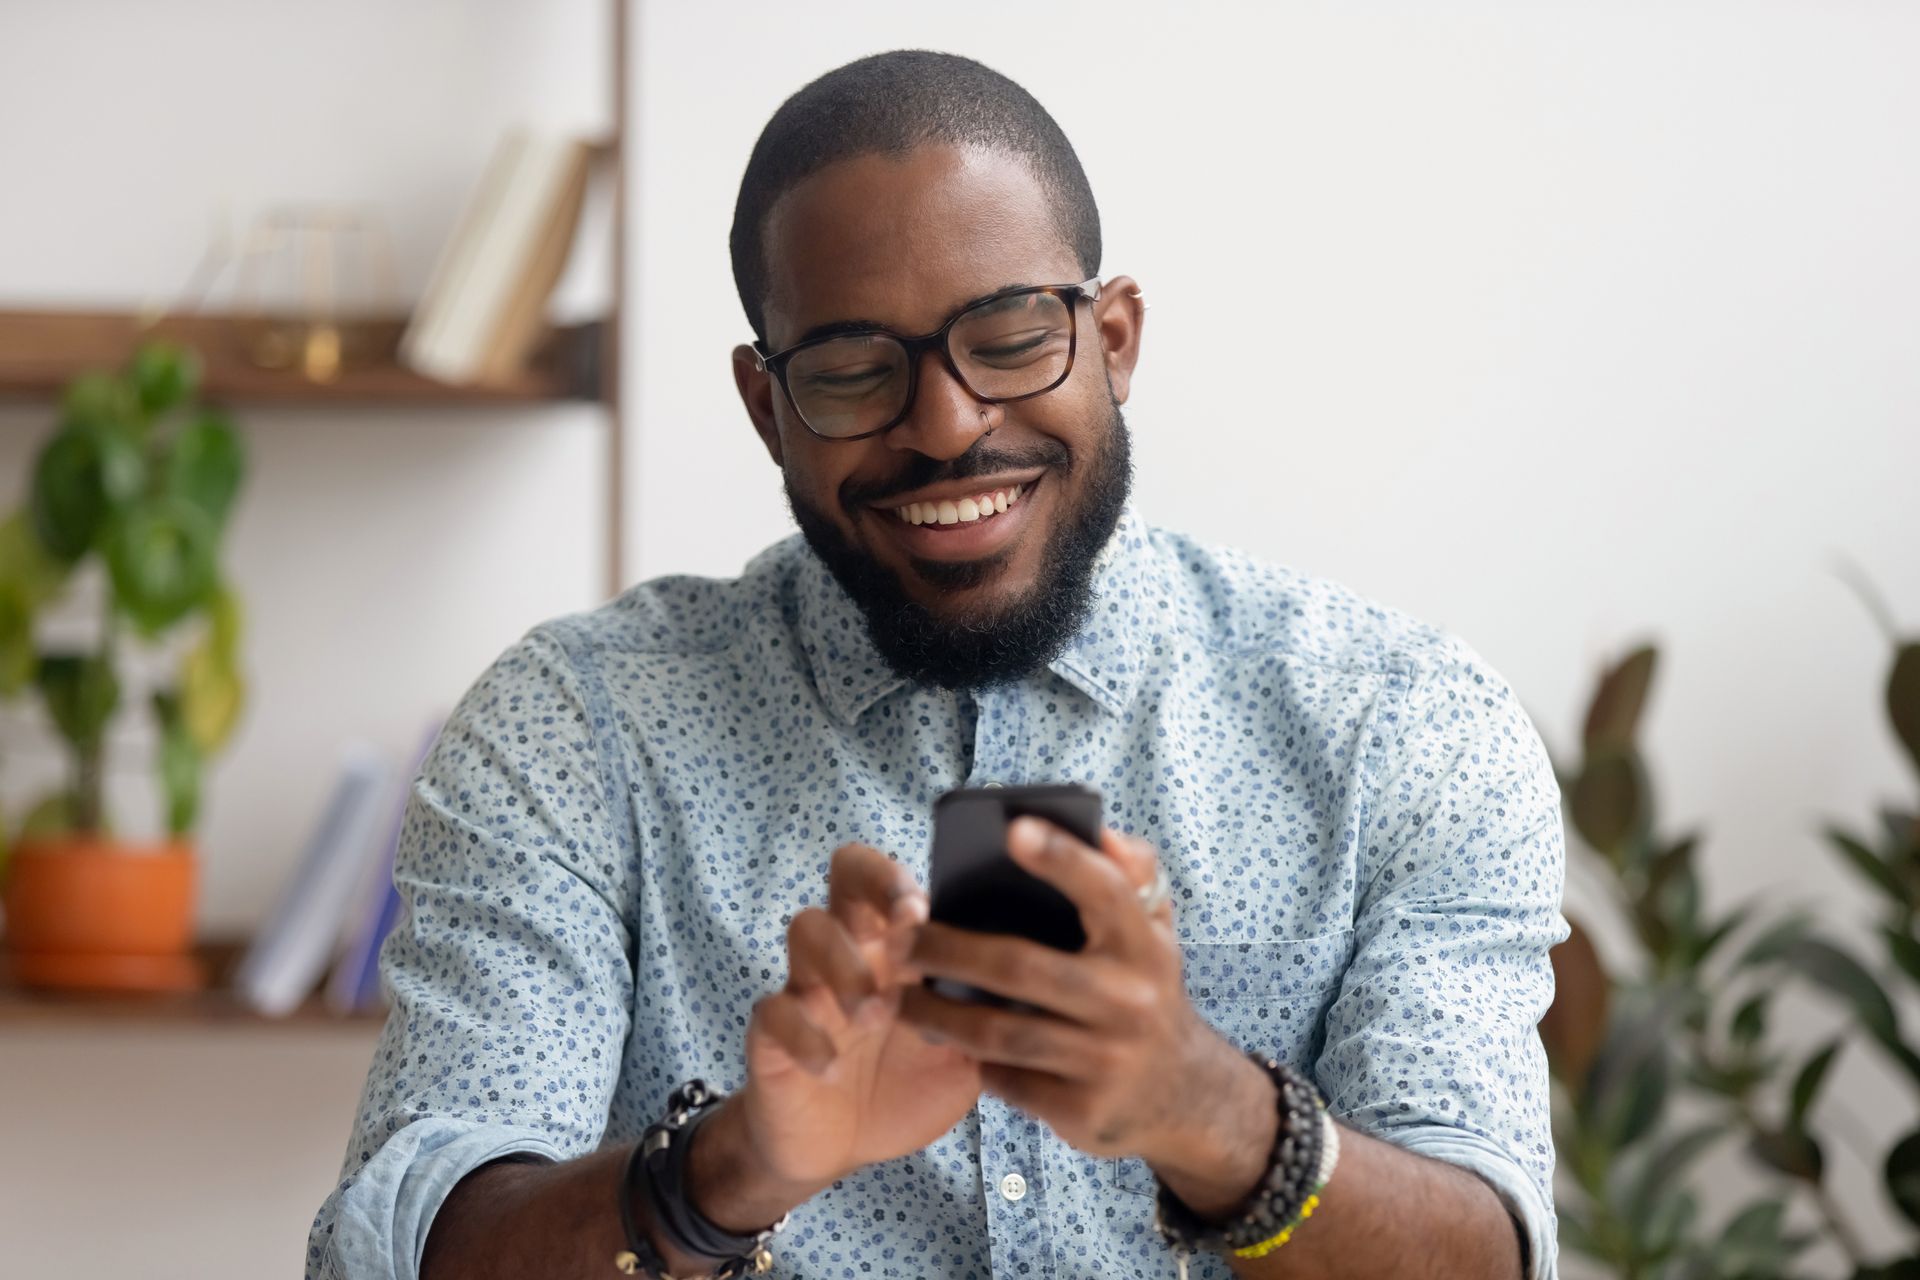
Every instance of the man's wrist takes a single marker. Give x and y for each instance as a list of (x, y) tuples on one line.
[(1216, 1159), (729, 1184)]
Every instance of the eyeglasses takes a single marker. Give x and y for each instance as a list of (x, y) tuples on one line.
[(1014, 345)]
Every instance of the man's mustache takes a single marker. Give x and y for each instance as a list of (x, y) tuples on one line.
[(921, 471)]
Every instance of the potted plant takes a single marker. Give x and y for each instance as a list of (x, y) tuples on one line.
[(136, 484)]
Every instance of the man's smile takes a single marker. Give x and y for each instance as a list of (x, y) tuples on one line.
[(968, 520)]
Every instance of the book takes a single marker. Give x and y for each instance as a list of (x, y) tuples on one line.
[(354, 983), (289, 955), (484, 308), (425, 330)]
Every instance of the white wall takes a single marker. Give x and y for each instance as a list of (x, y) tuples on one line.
[(1560, 325)]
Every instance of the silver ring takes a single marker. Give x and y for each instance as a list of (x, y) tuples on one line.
[(1153, 896)]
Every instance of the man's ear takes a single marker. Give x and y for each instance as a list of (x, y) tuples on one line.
[(1118, 316), (756, 392)]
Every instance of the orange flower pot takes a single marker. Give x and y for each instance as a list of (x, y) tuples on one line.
[(87, 912)]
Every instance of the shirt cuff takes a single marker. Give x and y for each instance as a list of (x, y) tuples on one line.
[(381, 1217), (1516, 1188)]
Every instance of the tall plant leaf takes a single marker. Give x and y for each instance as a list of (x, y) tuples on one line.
[(1903, 1176), (1869, 864), (1903, 698), (1613, 718), (1609, 802), (1806, 1085)]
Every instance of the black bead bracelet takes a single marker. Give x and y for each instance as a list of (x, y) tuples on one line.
[(1294, 1172)]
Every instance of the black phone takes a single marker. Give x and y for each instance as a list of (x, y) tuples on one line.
[(975, 884)]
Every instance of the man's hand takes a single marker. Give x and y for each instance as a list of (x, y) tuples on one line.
[(1119, 1062), (834, 1080)]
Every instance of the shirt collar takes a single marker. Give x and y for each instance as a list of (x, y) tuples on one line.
[(1103, 660)]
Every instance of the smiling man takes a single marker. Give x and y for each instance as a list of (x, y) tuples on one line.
[(682, 838)]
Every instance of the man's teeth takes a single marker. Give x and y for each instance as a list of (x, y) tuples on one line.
[(965, 511)]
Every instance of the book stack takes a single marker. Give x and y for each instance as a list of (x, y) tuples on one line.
[(484, 309), (341, 903)]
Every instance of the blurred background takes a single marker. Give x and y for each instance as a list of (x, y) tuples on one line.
[(1574, 329)]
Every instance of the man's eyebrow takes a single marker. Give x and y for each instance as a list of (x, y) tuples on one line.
[(833, 328)]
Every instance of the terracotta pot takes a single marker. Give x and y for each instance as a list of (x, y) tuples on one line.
[(90, 912)]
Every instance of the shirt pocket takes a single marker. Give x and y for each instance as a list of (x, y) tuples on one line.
[(1269, 996)]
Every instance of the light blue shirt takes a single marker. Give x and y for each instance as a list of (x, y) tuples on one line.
[(601, 854)]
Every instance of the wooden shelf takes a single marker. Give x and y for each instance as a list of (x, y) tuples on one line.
[(215, 1006), (40, 351)]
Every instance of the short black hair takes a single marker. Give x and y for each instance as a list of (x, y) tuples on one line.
[(890, 103)]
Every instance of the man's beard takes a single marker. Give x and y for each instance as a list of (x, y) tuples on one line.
[(1018, 638)]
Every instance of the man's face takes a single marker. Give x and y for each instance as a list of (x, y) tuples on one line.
[(902, 242)]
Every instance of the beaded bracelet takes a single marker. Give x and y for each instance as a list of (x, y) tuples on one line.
[(1306, 1145), (1329, 1155)]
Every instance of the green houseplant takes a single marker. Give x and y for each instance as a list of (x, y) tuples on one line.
[(1669, 1057), (137, 483)]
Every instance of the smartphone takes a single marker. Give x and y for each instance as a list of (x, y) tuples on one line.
[(975, 884)]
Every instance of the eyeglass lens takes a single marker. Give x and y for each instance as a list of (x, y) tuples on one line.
[(1002, 349)]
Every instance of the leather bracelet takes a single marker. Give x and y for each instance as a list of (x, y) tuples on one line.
[(657, 1170)]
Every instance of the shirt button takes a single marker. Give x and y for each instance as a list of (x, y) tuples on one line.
[(1013, 1186), (991, 783)]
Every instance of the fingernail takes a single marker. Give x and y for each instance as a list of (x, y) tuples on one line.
[(910, 908), (1027, 833)]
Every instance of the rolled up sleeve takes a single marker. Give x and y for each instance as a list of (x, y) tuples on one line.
[(510, 972), (1432, 1042)]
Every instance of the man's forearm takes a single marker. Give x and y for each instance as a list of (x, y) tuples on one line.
[(1386, 1211), (516, 1219)]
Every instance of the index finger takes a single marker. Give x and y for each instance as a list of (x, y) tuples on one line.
[(868, 892)]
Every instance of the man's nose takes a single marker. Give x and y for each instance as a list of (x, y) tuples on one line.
[(945, 418)]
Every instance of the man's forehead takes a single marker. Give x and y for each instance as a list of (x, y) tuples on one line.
[(903, 240)]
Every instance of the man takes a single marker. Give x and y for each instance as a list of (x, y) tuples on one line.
[(684, 835)]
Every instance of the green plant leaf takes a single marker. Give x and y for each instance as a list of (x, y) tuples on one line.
[(1898, 1269), (163, 374), (25, 564), (1709, 942), (225, 617), (205, 464), (1666, 1163), (1903, 1176), (1806, 1085), (1904, 950), (1869, 864), (1640, 1103), (100, 400), (1903, 697), (161, 558), (211, 695), (1608, 803), (1793, 1151), (69, 500), (1750, 1019), (1613, 718), (1776, 941), (180, 761), (1822, 962), (1666, 1224), (18, 657), (1899, 834), (82, 693), (1577, 1235)]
